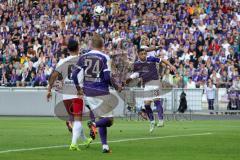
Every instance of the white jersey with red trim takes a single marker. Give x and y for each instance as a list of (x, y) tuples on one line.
[(66, 71)]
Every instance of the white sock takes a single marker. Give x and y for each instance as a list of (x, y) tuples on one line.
[(76, 131), (82, 135), (152, 122), (105, 146)]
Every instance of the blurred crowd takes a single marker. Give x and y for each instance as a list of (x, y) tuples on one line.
[(200, 37)]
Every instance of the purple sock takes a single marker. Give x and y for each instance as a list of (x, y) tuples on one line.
[(159, 107), (103, 134), (91, 114), (92, 117), (149, 112), (104, 122)]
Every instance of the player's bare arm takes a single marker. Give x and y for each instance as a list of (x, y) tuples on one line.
[(51, 81), (77, 86), (149, 49), (172, 67)]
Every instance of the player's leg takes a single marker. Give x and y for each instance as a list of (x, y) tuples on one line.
[(68, 107), (77, 131), (93, 129), (158, 104), (150, 114), (91, 114), (141, 110), (143, 114), (88, 103), (102, 124)]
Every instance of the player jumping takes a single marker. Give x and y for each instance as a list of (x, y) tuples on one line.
[(145, 68)]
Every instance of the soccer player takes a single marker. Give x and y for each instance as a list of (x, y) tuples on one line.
[(73, 104), (96, 70), (146, 69)]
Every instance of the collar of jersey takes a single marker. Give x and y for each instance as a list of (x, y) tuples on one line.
[(95, 51), (98, 52)]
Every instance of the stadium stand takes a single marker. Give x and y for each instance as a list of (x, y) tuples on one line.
[(201, 38)]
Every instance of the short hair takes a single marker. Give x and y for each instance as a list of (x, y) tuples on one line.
[(97, 41), (141, 50), (72, 45)]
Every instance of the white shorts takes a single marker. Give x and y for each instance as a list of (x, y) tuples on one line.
[(148, 93), (68, 96), (107, 103)]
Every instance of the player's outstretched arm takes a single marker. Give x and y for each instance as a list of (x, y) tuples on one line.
[(151, 49), (133, 76), (158, 60), (51, 80), (172, 67)]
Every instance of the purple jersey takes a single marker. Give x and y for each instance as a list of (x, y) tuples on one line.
[(96, 66), (147, 69)]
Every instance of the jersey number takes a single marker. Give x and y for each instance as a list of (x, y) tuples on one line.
[(70, 69), (92, 68)]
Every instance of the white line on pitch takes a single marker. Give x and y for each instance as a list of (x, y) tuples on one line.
[(115, 141)]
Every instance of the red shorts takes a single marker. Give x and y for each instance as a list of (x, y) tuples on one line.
[(74, 106)]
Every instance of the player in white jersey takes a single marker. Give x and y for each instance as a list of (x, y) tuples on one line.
[(73, 104)]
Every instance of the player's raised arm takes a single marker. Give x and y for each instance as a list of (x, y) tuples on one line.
[(149, 49), (154, 59), (158, 60), (172, 67)]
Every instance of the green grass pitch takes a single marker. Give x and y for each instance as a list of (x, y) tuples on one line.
[(178, 140)]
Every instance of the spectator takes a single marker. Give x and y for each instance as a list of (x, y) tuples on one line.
[(191, 84), (176, 81), (236, 83), (167, 79), (32, 80), (14, 79), (215, 77), (25, 81), (40, 79), (234, 95), (210, 91), (187, 33)]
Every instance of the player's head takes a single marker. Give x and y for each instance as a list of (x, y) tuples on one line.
[(142, 54), (73, 45), (97, 42)]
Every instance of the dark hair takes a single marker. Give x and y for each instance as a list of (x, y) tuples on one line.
[(72, 45), (141, 50)]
